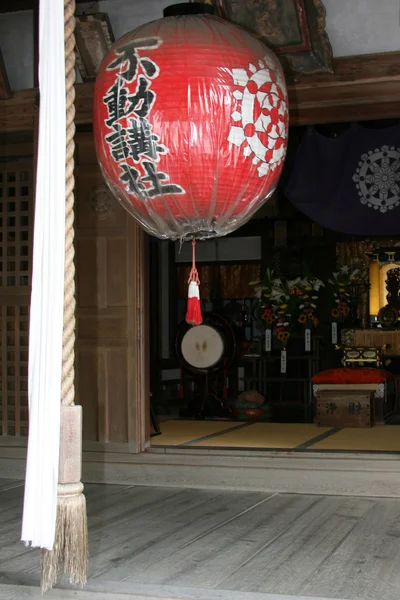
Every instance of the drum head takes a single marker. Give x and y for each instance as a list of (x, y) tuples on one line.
[(202, 346)]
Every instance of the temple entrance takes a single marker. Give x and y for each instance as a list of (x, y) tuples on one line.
[(234, 382), (134, 359)]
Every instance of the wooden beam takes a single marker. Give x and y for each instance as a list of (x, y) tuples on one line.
[(18, 113), (348, 69), (7, 6), (362, 88), (5, 91), (340, 114)]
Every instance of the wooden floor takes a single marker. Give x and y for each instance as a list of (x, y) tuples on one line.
[(154, 542), (297, 437)]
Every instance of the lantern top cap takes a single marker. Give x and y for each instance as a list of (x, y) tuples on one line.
[(188, 8)]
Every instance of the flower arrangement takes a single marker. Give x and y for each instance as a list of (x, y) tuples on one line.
[(264, 294), (286, 305), (344, 299), (307, 293), (277, 305), (286, 300)]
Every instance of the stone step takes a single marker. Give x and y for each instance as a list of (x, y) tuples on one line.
[(21, 589)]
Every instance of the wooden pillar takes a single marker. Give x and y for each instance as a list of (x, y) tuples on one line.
[(138, 338)]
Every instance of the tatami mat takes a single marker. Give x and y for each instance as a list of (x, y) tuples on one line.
[(175, 433), (381, 438), (266, 435), (275, 436)]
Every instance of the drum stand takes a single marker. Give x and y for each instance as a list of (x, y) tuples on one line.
[(154, 422), (203, 395), (205, 352)]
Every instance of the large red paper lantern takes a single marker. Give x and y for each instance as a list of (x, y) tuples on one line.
[(191, 122)]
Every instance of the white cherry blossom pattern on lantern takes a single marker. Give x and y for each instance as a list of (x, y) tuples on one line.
[(377, 178), (260, 120)]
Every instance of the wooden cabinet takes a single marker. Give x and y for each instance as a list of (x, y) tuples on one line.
[(343, 408)]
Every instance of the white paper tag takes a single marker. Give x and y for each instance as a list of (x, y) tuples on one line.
[(307, 340), (334, 333), (268, 340), (283, 361)]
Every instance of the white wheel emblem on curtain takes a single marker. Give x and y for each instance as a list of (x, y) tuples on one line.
[(377, 178)]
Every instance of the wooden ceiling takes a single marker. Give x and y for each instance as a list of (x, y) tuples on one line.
[(361, 88)]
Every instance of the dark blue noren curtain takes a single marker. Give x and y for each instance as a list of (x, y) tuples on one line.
[(350, 183)]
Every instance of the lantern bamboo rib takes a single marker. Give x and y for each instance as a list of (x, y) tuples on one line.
[(68, 355)]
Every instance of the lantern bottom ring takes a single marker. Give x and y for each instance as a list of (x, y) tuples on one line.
[(201, 229)]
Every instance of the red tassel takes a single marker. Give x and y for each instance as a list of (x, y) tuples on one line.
[(225, 393), (193, 314)]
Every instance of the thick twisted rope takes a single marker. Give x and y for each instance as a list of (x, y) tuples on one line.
[(68, 354), (70, 548)]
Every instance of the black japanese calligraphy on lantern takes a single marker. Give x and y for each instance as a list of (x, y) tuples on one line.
[(121, 104), (156, 181), (131, 137), (130, 176), (116, 100), (150, 185), (142, 141), (128, 59), (118, 145), (142, 100)]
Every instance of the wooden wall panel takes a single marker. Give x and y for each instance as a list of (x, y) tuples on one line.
[(87, 275), (16, 243), (117, 392), (106, 332), (107, 327), (111, 375), (117, 272), (97, 209), (87, 388)]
